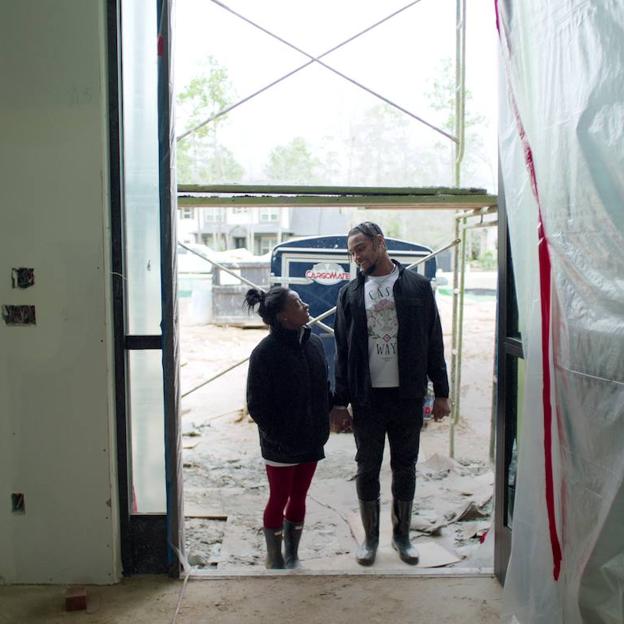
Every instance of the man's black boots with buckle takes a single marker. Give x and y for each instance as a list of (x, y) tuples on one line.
[(401, 520), (369, 511)]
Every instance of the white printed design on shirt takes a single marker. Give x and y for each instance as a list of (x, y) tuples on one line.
[(382, 327)]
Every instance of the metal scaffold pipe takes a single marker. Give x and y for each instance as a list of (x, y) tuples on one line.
[(459, 275), (460, 86)]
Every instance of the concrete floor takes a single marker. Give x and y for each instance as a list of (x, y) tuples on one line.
[(269, 599)]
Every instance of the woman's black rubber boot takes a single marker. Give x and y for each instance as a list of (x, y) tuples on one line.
[(274, 559), (292, 535)]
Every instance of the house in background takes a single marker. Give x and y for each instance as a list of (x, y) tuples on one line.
[(257, 229)]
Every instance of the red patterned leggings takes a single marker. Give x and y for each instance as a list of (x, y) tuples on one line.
[(288, 488)]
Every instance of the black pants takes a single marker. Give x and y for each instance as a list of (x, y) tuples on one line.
[(402, 421)]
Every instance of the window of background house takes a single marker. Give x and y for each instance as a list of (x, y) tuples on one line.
[(214, 215), (266, 244), (269, 215)]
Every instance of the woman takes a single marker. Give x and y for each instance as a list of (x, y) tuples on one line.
[(288, 398)]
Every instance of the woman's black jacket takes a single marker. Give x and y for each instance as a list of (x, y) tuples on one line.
[(288, 396)]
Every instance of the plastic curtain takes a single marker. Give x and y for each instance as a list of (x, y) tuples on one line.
[(562, 160)]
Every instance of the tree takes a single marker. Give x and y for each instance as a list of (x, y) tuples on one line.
[(384, 154), (388, 148), (293, 163), (441, 98), (201, 158)]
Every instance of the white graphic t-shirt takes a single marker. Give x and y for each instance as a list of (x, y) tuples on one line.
[(382, 330)]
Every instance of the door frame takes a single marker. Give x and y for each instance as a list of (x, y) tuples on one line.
[(508, 352), (149, 541)]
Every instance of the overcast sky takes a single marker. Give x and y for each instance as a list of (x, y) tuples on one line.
[(398, 59)]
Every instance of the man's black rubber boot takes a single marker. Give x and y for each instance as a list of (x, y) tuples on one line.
[(292, 535), (401, 520), (369, 511), (274, 559)]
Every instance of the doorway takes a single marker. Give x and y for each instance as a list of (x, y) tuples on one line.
[(225, 483), (153, 350)]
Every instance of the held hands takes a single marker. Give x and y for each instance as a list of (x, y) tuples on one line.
[(340, 420), (441, 408)]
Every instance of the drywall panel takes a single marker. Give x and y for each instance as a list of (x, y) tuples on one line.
[(56, 383)]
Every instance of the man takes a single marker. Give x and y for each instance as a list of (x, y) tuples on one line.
[(388, 342)]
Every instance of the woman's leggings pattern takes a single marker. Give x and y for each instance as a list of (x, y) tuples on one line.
[(288, 488)]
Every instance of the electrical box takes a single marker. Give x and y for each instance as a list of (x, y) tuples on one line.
[(19, 314), (22, 277)]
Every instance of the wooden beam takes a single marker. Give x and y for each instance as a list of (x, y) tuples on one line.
[(263, 189), (394, 202)]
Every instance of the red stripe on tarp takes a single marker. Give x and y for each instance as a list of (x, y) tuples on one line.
[(161, 45), (545, 278), (545, 271)]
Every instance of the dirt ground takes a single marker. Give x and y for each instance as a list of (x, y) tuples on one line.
[(225, 484)]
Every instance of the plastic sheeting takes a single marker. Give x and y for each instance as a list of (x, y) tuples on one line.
[(562, 160)]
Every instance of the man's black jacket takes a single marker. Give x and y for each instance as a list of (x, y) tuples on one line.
[(419, 342), (288, 396)]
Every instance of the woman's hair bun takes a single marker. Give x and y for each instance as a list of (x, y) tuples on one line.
[(271, 302), (254, 296)]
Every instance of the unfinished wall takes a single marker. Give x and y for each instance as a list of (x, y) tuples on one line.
[(56, 402)]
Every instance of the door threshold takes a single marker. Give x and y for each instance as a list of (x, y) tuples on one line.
[(204, 575)]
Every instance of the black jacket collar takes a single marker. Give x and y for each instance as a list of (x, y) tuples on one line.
[(291, 336), (361, 276)]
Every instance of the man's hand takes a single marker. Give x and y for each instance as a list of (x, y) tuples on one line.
[(441, 408), (340, 420)]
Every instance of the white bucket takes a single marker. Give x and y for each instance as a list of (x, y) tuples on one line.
[(201, 302)]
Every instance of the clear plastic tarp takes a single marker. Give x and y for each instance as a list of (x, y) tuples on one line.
[(562, 159)]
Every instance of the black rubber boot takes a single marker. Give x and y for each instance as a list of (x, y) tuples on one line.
[(292, 535), (274, 559), (369, 511), (401, 520)]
